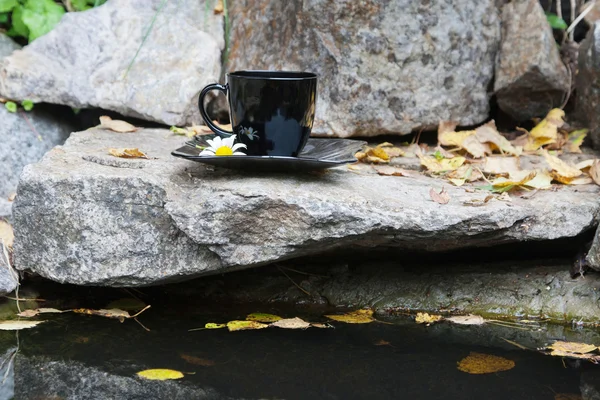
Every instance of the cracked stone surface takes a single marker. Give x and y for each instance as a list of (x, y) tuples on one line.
[(84, 217), (385, 67)]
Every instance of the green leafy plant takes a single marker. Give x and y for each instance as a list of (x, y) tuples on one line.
[(556, 22), (30, 19), (27, 105), (11, 106)]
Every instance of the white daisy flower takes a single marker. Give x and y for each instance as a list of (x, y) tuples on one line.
[(249, 132), (223, 147)]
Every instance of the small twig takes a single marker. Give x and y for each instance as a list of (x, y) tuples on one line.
[(19, 299), (573, 9), (568, 94), (141, 311), (418, 137), (68, 5), (581, 16), (291, 280), (40, 138), (507, 326), (142, 325)]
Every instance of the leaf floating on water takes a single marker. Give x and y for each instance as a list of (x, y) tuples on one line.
[(116, 125), (245, 325), (127, 153), (114, 313), (354, 317), (291, 323), (160, 374), (212, 325), (127, 304), (572, 347), (262, 317), (203, 362), (425, 318), (477, 363), (37, 311), (442, 197), (470, 319), (18, 325)]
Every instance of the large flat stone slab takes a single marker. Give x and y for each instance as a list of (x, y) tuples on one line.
[(85, 217)]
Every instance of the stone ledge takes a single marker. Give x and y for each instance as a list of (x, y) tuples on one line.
[(146, 222)]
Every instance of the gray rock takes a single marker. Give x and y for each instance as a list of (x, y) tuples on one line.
[(384, 66), (85, 217), (86, 61), (531, 78), (7, 46), (43, 377), (590, 385), (25, 138), (8, 278), (593, 255), (588, 83)]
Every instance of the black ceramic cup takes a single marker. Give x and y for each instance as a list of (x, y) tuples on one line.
[(272, 112)]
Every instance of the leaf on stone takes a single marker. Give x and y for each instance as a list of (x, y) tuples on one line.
[(502, 165), (478, 363), (37, 311), (127, 153), (478, 202), (442, 197), (378, 152), (470, 319), (160, 374), (444, 165), (595, 172), (515, 179), (564, 172), (27, 105), (575, 140), (212, 325), (127, 304), (488, 134), (452, 138), (354, 317), (572, 347), (218, 7), (6, 234), (17, 325), (542, 180), (116, 125), (291, 323), (585, 165), (465, 173), (203, 362), (388, 170), (425, 318), (372, 155), (245, 325), (262, 317), (546, 131)]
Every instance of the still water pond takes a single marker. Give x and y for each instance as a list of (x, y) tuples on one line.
[(73, 356)]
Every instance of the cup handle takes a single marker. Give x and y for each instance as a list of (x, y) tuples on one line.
[(209, 123)]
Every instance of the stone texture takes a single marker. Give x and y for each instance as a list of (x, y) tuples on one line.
[(8, 282), (593, 255), (530, 79), (384, 66), (85, 217), (7, 46), (25, 138), (84, 61), (588, 83), (590, 385)]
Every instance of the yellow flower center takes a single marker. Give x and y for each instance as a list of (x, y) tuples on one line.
[(224, 151)]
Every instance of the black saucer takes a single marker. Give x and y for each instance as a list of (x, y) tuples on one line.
[(317, 154)]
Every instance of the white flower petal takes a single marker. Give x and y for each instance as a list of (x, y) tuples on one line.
[(213, 142), (207, 152), (238, 153), (228, 141), (238, 146)]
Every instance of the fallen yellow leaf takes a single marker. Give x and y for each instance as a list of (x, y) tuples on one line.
[(425, 318), (116, 125), (127, 153), (562, 168), (546, 131), (218, 7), (517, 178), (586, 164), (212, 325), (379, 153), (160, 374), (354, 317), (575, 140), (542, 180), (244, 325), (262, 317), (446, 164), (572, 347), (488, 133), (477, 363)]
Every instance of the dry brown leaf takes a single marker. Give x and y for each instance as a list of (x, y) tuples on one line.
[(478, 202), (388, 170), (218, 7), (470, 319), (595, 172), (127, 153), (425, 318), (515, 179), (203, 362), (572, 347), (11, 197), (488, 133), (561, 168), (586, 164), (6, 234), (37, 311), (116, 125), (477, 363), (442, 197), (114, 313), (502, 165), (587, 356)]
